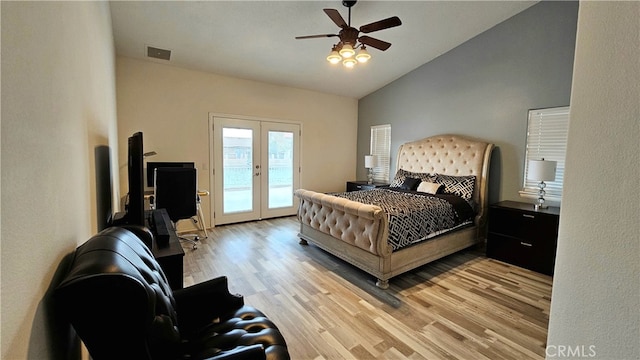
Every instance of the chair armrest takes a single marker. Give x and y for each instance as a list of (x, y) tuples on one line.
[(252, 352), (203, 303)]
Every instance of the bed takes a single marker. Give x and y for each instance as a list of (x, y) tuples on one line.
[(358, 230)]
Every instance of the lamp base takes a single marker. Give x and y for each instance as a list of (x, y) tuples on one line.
[(370, 176), (541, 193), (537, 207)]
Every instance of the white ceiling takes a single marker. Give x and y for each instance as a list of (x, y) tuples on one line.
[(254, 40)]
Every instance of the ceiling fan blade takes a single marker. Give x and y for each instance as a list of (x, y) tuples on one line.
[(336, 17), (381, 25), (378, 44), (316, 36)]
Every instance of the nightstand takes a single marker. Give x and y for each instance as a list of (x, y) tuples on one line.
[(363, 185), (521, 236)]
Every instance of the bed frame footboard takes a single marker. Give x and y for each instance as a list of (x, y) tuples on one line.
[(359, 225), (398, 262), (358, 233)]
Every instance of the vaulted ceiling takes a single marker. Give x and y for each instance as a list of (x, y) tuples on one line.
[(255, 40)]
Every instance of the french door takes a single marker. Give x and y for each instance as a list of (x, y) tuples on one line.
[(256, 168)]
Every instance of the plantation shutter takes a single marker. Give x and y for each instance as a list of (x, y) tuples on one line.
[(547, 132), (381, 147)]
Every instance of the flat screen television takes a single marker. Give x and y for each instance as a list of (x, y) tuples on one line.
[(135, 208), (152, 166)]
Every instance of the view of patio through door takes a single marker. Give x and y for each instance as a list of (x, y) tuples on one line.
[(255, 169)]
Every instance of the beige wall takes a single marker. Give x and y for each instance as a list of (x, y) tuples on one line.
[(171, 107), (596, 299), (58, 111)]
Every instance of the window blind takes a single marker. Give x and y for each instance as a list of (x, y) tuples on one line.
[(547, 132), (381, 147)]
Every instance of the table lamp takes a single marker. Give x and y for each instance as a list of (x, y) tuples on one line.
[(541, 170), (370, 162)]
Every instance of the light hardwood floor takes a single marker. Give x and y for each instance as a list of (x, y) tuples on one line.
[(464, 306)]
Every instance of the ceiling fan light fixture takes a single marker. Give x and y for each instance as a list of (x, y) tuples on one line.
[(334, 57), (350, 39), (347, 51), (363, 55), (349, 62)]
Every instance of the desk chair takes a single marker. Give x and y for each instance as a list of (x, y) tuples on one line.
[(200, 213), (176, 190)]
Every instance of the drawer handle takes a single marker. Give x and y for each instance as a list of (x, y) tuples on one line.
[(529, 216), (526, 244)]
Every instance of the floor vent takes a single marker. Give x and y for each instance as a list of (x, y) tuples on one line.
[(156, 53)]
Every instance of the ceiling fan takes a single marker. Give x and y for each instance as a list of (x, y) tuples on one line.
[(350, 39)]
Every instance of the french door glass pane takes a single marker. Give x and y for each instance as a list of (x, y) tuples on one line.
[(280, 169), (237, 160)]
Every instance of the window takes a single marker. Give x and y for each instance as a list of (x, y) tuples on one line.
[(547, 131), (381, 147)]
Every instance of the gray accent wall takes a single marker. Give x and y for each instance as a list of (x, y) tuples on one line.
[(482, 88)]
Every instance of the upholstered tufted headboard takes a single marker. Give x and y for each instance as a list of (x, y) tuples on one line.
[(450, 155)]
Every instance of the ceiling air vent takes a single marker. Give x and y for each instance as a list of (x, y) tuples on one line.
[(156, 53)]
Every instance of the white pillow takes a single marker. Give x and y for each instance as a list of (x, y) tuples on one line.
[(429, 187)]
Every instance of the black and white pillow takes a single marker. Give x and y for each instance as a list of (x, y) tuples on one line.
[(402, 175), (462, 186)]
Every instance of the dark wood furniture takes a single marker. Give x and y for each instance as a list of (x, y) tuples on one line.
[(169, 255), (521, 236), (363, 185)]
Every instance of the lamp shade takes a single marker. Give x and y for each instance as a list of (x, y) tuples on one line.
[(334, 57), (347, 51), (363, 55), (542, 170), (370, 161), (349, 62)]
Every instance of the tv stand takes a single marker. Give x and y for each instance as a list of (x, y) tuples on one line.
[(169, 252)]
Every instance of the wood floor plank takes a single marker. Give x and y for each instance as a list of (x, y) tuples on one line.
[(464, 306)]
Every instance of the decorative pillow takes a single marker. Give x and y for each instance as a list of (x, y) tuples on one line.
[(401, 175), (429, 187), (410, 183), (462, 186)]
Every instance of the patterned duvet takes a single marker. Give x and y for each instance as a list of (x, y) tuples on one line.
[(415, 216)]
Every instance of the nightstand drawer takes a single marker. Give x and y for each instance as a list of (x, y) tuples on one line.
[(514, 251), (363, 185), (521, 236), (523, 225), (355, 187)]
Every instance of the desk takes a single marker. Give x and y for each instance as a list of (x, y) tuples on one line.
[(170, 256), (148, 196)]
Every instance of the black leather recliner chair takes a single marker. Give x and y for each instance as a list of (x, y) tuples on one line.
[(120, 304)]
